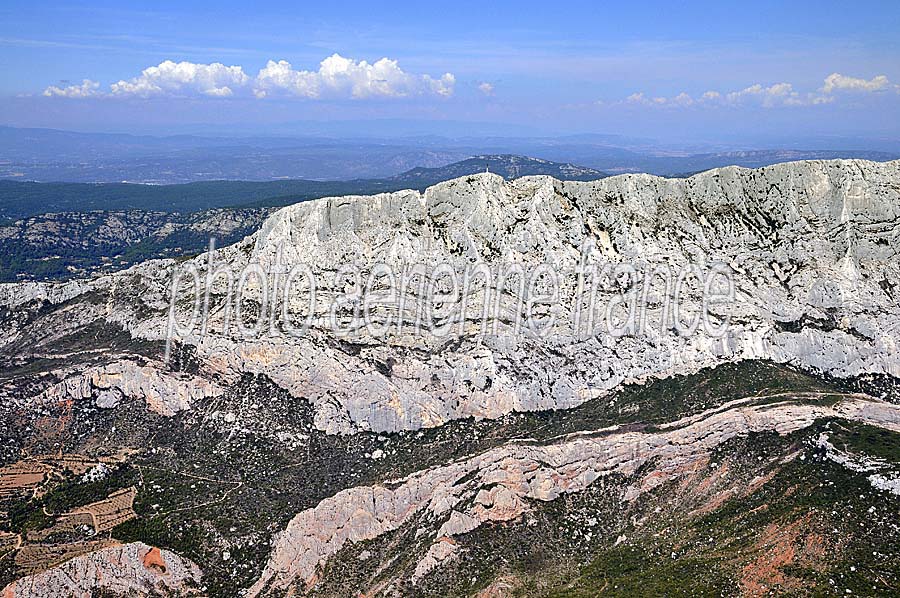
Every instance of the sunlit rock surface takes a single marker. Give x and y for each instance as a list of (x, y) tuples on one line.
[(810, 247)]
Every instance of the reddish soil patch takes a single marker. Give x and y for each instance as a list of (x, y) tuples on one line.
[(153, 560), (779, 546)]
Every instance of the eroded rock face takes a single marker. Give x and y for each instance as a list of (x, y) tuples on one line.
[(497, 485), (133, 569), (808, 245), (164, 392)]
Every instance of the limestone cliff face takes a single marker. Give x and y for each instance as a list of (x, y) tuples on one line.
[(810, 247)]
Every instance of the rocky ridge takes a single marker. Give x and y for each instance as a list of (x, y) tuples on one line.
[(810, 247)]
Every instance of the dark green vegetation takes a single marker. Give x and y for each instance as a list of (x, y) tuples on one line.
[(810, 525), (507, 166), (866, 440)]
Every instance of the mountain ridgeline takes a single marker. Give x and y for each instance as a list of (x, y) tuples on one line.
[(507, 166)]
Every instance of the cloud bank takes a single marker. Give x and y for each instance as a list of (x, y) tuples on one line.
[(771, 96), (336, 78), (342, 77)]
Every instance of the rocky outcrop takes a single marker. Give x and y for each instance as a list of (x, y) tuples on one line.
[(498, 485), (164, 392), (13, 295), (128, 570)]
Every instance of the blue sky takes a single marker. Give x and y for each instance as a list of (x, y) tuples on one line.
[(697, 71)]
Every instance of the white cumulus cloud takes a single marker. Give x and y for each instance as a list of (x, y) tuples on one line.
[(682, 99), (343, 77), (837, 81), (281, 76), (779, 94), (183, 78), (770, 96), (640, 98), (87, 89)]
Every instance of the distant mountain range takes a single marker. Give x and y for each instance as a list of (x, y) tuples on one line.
[(507, 166), (48, 155)]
